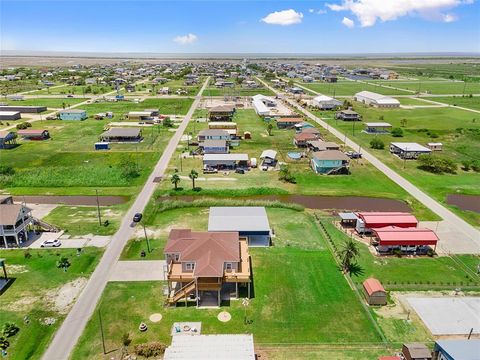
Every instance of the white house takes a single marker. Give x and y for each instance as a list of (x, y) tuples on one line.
[(261, 104), (324, 102), (377, 100)]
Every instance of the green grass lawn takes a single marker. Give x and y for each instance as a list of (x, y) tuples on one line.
[(436, 87), (457, 129), (75, 90), (314, 353), (468, 102), (300, 297), (172, 84), (33, 294), (237, 91), (349, 88), (166, 106), (365, 180), (82, 220), (56, 103)]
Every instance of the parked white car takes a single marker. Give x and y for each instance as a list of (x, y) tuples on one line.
[(51, 243)]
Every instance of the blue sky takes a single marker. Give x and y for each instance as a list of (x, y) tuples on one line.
[(336, 26)]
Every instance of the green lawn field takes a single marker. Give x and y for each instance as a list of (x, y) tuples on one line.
[(468, 102), (75, 90), (349, 88), (36, 287), (56, 103), (436, 87), (300, 297), (457, 129)]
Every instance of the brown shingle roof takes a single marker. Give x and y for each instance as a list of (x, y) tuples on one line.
[(9, 213), (209, 250)]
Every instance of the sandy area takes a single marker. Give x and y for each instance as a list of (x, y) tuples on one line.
[(63, 298)]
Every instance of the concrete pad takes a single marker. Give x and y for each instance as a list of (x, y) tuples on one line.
[(155, 317), (448, 315), (452, 241), (224, 316), (99, 241), (141, 270), (41, 210)]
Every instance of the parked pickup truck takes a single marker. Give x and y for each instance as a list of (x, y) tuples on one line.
[(207, 170)]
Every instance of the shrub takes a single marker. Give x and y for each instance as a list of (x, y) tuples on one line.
[(4, 344), (27, 254), (150, 349), (7, 170), (376, 143), (397, 132), (126, 339), (466, 165), (475, 165), (285, 175), (10, 329), (436, 165)]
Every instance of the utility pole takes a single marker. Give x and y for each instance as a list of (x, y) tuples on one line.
[(98, 209), (101, 332), (146, 237)]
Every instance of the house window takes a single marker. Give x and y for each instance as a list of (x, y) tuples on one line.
[(177, 257), (228, 266), (190, 266)]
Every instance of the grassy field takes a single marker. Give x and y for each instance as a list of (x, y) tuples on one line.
[(75, 90), (321, 352), (349, 88), (292, 280), (364, 180), (36, 293), (56, 103), (82, 220), (173, 85), (69, 160), (435, 87), (468, 102), (447, 70), (457, 129), (166, 106)]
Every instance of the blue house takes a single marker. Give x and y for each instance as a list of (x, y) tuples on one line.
[(7, 139), (461, 349), (329, 162), (72, 114)]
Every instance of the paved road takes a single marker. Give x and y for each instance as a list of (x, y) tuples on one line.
[(465, 238), (75, 322)]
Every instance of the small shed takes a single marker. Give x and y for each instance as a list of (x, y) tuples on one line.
[(374, 292), (102, 146), (416, 351), (348, 219), (435, 146), (247, 135)]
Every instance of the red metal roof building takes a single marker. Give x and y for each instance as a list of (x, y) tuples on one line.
[(374, 220), (397, 236)]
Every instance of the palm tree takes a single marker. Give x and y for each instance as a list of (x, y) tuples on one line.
[(193, 175), (348, 254), (175, 180), (269, 129)]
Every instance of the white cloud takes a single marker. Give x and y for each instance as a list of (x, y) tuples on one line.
[(369, 11), (349, 23), (321, 11), (450, 18), (186, 39), (284, 17), (311, 11)]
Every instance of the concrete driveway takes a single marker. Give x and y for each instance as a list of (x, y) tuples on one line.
[(140, 270)]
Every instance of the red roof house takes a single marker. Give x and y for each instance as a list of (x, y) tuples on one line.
[(375, 220), (397, 236)]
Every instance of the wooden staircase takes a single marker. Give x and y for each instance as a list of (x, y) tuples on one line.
[(182, 293)]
